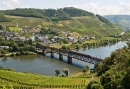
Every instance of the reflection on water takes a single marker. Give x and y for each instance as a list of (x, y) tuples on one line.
[(4, 59), (104, 51), (37, 64), (47, 66)]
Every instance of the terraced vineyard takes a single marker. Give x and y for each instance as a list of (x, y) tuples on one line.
[(16, 79), (84, 25)]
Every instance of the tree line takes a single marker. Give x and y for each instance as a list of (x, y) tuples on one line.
[(3, 18), (52, 14)]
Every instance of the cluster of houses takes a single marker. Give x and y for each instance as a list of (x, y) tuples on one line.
[(14, 35)]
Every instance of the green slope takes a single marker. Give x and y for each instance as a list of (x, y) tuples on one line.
[(85, 25), (12, 79), (65, 19), (114, 71)]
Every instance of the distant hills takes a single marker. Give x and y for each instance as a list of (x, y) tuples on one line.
[(122, 20), (63, 19)]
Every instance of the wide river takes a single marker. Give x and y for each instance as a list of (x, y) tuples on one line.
[(45, 65)]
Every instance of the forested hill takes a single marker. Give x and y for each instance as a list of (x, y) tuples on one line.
[(123, 20), (3, 18), (63, 19), (57, 14)]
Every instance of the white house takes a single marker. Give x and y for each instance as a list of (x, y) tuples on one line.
[(32, 38), (72, 39), (19, 38), (4, 47)]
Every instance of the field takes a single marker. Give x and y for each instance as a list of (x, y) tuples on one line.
[(17, 79), (15, 28)]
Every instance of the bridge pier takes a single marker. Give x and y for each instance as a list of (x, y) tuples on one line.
[(60, 56), (44, 51), (69, 59), (52, 54), (69, 54)]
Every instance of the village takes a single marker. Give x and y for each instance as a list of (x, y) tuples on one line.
[(37, 34)]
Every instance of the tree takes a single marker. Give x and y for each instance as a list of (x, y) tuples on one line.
[(111, 80), (57, 72), (94, 85), (15, 48), (126, 80), (30, 42), (65, 41), (1, 27), (87, 67), (1, 38), (1, 67), (3, 18), (84, 70), (21, 44), (66, 71), (65, 47), (3, 51), (22, 52)]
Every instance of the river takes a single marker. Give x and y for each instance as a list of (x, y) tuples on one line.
[(45, 65)]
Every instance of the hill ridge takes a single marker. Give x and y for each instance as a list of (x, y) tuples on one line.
[(66, 19)]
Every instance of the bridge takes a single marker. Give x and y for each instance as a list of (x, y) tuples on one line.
[(69, 54)]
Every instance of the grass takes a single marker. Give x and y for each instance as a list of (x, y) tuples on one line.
[(15, 28)]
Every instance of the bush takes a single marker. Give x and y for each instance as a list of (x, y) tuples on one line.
[(94, 85), (12, 54), (17, 54), (3, 51), (9, 69)]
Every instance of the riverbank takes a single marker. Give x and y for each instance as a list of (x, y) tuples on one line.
[(88, 43), (17, 54)]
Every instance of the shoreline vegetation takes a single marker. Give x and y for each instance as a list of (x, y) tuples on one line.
[(89, 44), (84, 45), (17, 54)]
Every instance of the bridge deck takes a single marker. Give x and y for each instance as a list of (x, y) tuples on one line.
[(72, 54)]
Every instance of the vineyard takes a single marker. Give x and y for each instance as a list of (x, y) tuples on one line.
[(15, 79)]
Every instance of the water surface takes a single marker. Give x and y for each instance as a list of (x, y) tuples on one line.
[(45, 65)]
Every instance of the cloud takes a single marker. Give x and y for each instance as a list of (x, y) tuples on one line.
[(10, 4), (125, 7), (97, 8), (25, 6)]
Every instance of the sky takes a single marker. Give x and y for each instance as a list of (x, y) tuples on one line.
[(101, 7)]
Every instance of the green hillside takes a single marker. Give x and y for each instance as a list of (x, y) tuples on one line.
[(3, 18), (114, 71), (13, 79), (66, 19), (122, 20)]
